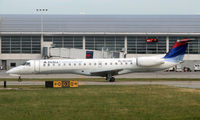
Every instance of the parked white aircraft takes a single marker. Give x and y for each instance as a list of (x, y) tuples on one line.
[(104, 67)]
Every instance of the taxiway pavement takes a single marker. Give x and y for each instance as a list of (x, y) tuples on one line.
[(159, 74)]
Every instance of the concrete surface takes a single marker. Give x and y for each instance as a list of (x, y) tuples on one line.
[(132, 75)]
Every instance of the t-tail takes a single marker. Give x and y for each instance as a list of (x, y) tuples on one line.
[(176, 54)]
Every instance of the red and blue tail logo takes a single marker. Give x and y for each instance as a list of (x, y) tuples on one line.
[(177, 52)]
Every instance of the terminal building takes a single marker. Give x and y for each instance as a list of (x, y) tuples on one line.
[(25, 37)]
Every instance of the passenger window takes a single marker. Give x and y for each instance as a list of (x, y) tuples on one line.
[(110, 63), (79, 63), (90, 64), (69, 64), (95, 63), (105, 63), (44, 65), (115, 63), (84, 63), (74, 64)]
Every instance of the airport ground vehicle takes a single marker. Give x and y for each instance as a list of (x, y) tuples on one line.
[(196, 67)]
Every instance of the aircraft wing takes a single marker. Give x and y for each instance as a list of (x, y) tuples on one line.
[(103, 73)]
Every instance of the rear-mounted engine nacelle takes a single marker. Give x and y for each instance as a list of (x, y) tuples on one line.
[(149, 61)]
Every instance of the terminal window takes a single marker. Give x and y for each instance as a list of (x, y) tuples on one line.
[(111, 43), (138, 45), (193, 46), (65, 41), (21, 44)]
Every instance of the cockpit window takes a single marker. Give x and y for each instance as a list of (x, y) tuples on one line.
[(26, 64)]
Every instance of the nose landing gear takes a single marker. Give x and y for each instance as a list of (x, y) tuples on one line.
[(19, 79)]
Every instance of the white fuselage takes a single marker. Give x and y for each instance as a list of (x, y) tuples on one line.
[(105, 67), (88, 66)]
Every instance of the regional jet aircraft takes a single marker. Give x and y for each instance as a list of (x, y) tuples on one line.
[(104, 67)]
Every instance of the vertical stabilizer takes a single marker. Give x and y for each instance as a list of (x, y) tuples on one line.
[(177, 52)]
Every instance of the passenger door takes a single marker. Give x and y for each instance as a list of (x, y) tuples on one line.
[(37, 66)]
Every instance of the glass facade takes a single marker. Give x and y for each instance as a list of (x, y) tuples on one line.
[(139, 45), (112, 43), (135, 44), (65, 41), (193, 46), (21, 44)]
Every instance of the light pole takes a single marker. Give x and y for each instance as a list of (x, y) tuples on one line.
[(41, 11)]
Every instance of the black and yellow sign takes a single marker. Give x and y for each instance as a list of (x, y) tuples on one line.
[(65, 84), (49, 84), (59, 84), (73, 83)]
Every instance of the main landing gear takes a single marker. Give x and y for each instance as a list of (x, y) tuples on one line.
[(110, 78)]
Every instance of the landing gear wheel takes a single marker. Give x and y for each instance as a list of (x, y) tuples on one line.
[(19, 79), (112, 79)]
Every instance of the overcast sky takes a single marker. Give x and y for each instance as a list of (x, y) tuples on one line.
[(91, 7)]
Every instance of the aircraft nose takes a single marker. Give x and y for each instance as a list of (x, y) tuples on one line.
[(13, 71)]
